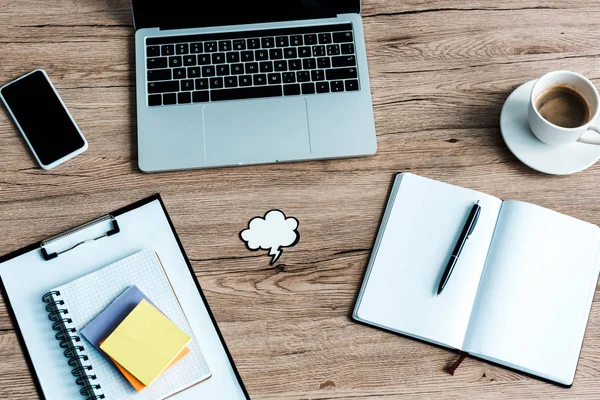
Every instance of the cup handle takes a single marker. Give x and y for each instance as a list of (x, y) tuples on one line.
[(595, 130)]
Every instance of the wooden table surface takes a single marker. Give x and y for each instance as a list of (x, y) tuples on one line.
[(440, 72)]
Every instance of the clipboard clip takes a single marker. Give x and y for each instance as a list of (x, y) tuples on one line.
[(113, 231)]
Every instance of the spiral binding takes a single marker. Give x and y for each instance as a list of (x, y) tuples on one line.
[(71, 342)]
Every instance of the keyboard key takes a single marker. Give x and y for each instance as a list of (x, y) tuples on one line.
[(341, 73), (253, 44), (251, 68), (245, 93), (348, 48), (282, 41), (224, 45), (323, 62), (189, 61), (310, 39), (352, 85), (266, 66), (153, 51), (193, 72), (343, 61), (289, 77), (274, 79), (163, 87), (318, 51), (169, 98), (337, 86), (259, 79), (203, 59), (184, 98), (308, 88), (155, 100), (237, 69), (239, 44), (168, 50), (233, 57), (276, 54), (160, 62), (296, 40), (218, 58), (247, 56), (179, 73), (333, 50), (342, 37), (175, 61), (261, 55), (200, 97), (210, 47), (245, 80), (201, 84), (317, 75), (196, 48), (295, 65), (281, 65), (322, 87), (159, 75), (309, 63), (291, 90), (302, 76), (267, 42), (290, 52), (208, 70), (231, 81), (182, 48), (304, 52), (223, 70), (324, 38), (216, 83)]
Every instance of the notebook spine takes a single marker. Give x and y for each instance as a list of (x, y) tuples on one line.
[(69, 339)]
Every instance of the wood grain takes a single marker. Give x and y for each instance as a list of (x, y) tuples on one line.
[(440, 72)]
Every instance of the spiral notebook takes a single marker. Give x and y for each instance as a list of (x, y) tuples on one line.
[(90, 266), (78, 302)]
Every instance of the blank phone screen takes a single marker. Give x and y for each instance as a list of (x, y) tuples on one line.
[(42, 117)]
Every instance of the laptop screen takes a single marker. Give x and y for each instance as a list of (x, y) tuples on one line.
[(171, 14)]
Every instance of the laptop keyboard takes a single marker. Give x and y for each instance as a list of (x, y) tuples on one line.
[(244, 65)]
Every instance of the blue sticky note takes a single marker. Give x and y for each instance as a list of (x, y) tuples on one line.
[(108, 320)]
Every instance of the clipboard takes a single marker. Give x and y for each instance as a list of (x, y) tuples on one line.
[(27, 274)]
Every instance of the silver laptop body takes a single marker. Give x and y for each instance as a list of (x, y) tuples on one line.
[(184, 122)]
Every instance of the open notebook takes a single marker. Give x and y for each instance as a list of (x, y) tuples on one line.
[(88, 296), (519, 296)]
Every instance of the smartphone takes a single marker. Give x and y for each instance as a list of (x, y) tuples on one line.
[(43, 119)]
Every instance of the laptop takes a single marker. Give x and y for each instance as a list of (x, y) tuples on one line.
[(243, 82)]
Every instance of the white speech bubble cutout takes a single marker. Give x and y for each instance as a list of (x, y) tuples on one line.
[(271, 232)]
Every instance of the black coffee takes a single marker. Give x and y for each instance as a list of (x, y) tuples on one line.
[(563, 106)]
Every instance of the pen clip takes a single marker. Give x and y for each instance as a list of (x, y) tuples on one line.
[(478, 211)]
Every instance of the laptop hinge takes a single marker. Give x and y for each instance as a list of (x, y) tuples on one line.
[(180, 25)]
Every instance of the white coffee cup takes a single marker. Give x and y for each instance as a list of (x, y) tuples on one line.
[(553, 134)]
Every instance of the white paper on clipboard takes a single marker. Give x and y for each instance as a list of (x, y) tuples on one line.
[(27, 277)]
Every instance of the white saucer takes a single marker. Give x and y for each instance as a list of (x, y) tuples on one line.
[(556, 160)]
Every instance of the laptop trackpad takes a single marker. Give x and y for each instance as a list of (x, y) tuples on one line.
[(256, 131)]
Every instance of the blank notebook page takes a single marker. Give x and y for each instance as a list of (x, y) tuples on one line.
[(88, 296), (536, 291), (420, 229)]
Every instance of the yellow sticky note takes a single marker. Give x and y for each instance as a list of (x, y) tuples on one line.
[(145, 343), (139, 386)]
